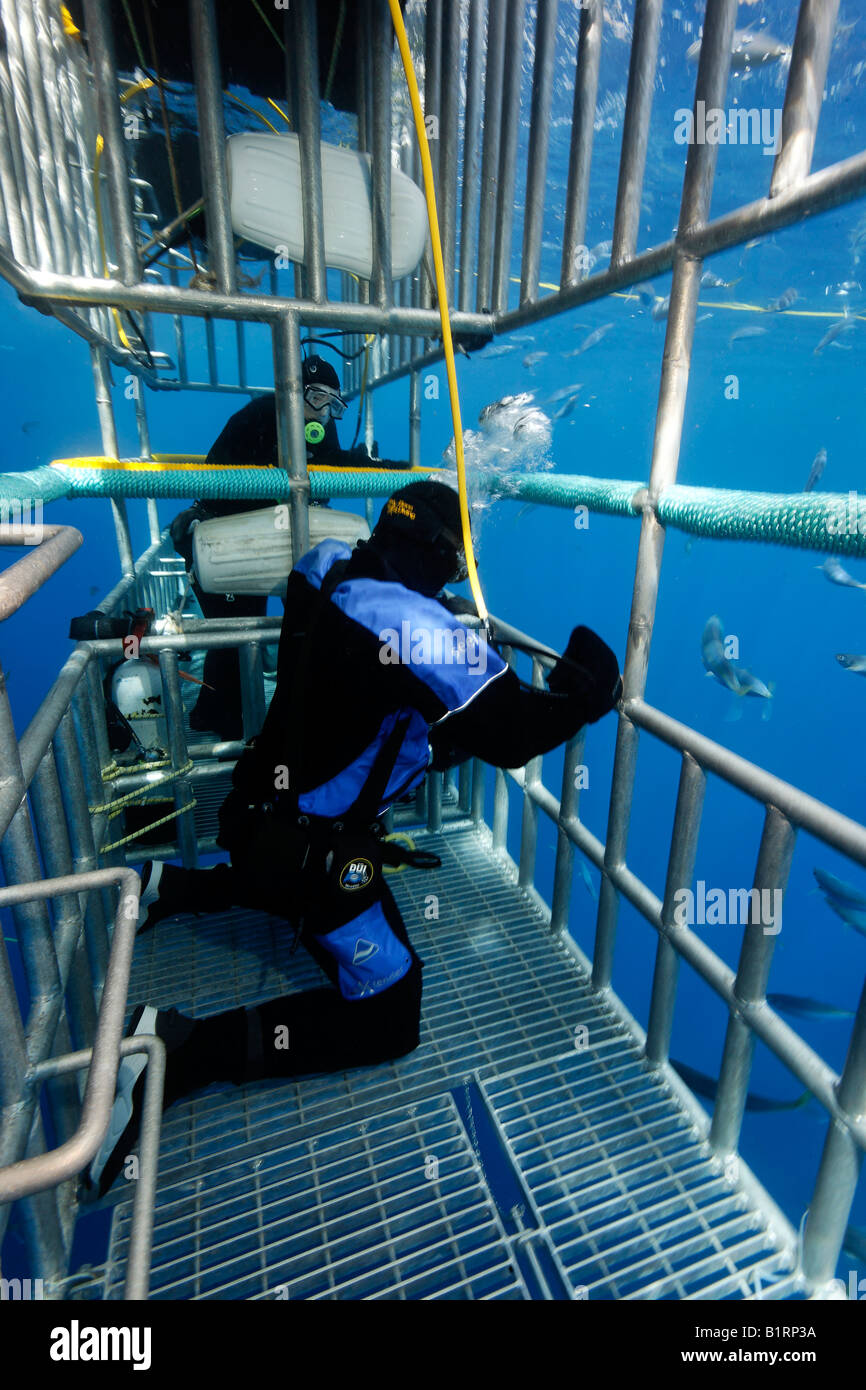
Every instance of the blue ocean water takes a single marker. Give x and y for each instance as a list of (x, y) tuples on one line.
[(543, 574)]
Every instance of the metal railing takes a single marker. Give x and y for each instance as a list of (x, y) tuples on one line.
[(51, 254)]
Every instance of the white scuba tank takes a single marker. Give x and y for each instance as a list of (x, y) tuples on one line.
[(265, 186), (251, 553), (136, 689)]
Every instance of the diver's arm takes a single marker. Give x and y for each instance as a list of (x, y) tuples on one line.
[(359, 457), (510, 722), (506, 725)]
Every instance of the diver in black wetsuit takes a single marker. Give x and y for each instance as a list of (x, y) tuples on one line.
[(303, 823), (250, 437)]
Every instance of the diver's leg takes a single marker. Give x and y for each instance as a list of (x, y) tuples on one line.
[(315, 1030), (372, 1016), (299, 1035), (169, 891)]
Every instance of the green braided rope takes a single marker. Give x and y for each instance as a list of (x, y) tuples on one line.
[(609, 495), (823, 521), (831, 522), (265, 483), (43, 484), (818, 521)]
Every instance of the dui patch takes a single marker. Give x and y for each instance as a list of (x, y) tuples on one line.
[(357, 873)]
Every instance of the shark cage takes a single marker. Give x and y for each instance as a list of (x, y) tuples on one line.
[(500, 1160)]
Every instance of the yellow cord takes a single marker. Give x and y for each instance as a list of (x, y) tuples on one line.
[(70, 28), (97, 198), (100, 229), (368, 340), (721, 304), (410, 844), (252, 110), (430, 195), (137, 834), (260, 12), (280, 111)]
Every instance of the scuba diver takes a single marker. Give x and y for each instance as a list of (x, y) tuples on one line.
[(303, 823), (250, 437)]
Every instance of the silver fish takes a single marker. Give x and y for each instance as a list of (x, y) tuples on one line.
[(565, 401), (816, 472), (801, 1006), (749, 684), (566, 409), (748, 49), (785, 300), (532, 423), (833, 332), (594, 338), (564, 393), (587, 879), (603, 249), (838, 575), (525, 511), (851, 662), (660, 308), (645, 293), (532, 359), (716, 663), (506, 403), (715, 282), (750, 331), (500, 350), (704, 1085), (838, 888), (852, 916)]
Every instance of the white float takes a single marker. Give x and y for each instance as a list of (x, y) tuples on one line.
[(267, 205), (252, 553)]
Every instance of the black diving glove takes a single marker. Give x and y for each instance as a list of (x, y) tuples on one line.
[(180, 529), (588, 671)]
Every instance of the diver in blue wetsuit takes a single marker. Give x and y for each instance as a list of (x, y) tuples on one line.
[(250, 437), (377, 679)]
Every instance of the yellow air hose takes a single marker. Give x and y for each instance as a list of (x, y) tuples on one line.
[(430, 195), (97, 199)]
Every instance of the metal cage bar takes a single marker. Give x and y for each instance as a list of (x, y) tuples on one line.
[(306, 54), (539, 133), (507, 153), (208, 95), (580, 145), (38, 237), (635, 130)]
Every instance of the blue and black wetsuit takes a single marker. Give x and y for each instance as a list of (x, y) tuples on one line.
[(249, 437), (379, 678)]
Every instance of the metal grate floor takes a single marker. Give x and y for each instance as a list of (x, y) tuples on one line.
[(583, 1176)]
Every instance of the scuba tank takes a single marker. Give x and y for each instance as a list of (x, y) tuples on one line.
[(252, 552), (136, 690), (133, 694)]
